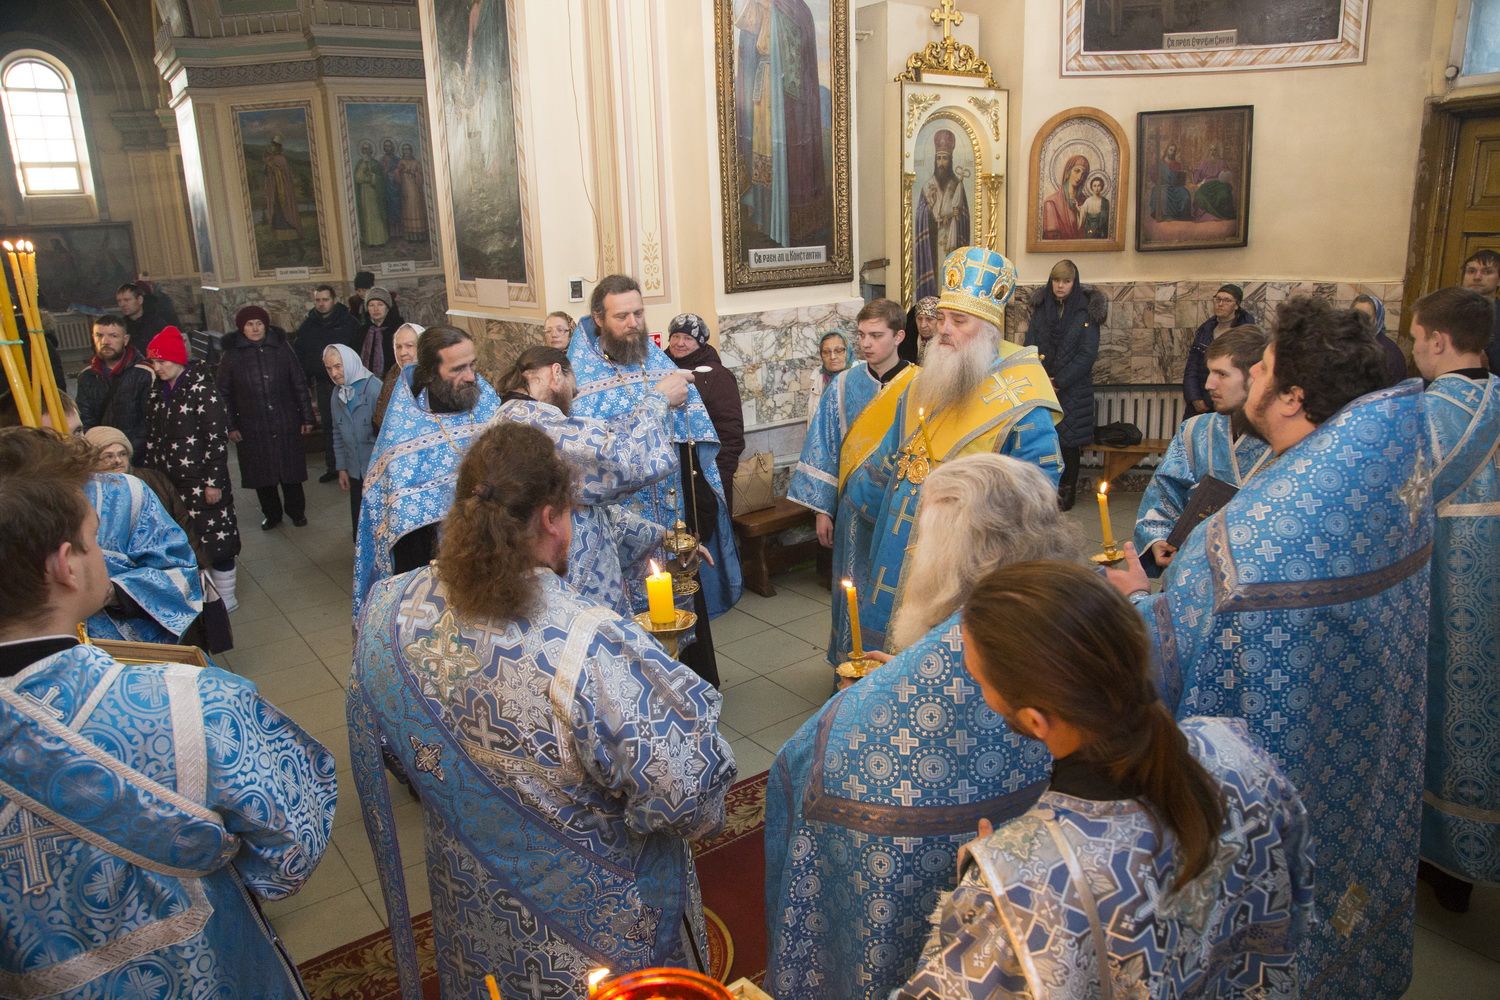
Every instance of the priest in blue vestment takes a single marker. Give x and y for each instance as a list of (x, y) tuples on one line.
[(817, 481), (564, 761), (1461, 807), (616, 365), (157, 591), (1302, 608), (409, 481), (1219, 444), (975, 394), (144, 808), (610, 459), (868, 804), (1161, 861)]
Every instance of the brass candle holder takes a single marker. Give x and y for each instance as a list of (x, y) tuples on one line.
[(856, 667), (1112, 554), (669, 635)]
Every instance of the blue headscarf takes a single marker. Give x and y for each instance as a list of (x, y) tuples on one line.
[(1379, 322)]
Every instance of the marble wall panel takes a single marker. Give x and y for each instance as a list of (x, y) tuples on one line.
[(422, 299), (774, 355)]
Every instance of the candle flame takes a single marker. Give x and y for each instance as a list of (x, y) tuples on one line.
[(489, 982), (28, 247), (9, 246), (1104, 487), (596, 977), (847, 584), (655, 569)]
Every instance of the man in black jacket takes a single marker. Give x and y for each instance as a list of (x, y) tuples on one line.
[(329, 322), (146, 312), (115, 388)]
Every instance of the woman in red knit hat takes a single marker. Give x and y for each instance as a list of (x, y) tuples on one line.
[(187, 441), (268, 409)]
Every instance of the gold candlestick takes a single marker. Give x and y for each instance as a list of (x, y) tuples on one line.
[(1111, 553), (669, 634)]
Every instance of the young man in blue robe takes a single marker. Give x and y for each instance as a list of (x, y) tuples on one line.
[(1219, 444), (616, 365), (157, 592), (1160, 862), (975, 394), (564, 761), (1461, 806), (611, 459), (868, 804), (139, 816), (409, 482), (818, 479), (1302, 608)]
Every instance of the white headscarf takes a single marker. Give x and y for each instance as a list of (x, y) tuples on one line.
[(354, 369)]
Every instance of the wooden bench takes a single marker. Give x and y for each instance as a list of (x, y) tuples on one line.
[(757, 532), (1119, 460)]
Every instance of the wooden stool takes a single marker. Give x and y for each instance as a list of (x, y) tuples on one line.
[(756, 530)]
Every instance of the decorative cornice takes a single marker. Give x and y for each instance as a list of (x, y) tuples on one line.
[(304, 70), (947, 56), (145, 129)]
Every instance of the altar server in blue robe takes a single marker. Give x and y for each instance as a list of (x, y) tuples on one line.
[(157, 591), (610, 459), (1461, 807), (409, 483), (818, 479), (1161, 862), (564, 761), (868, 803), (1219, 444), (616, 365), (1302, 608), (143, 808), (975, 394)]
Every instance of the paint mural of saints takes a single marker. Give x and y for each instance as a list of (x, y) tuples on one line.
[(280, 195), (943, 223), (779, 121)]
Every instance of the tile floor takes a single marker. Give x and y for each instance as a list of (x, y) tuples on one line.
[(293, 639)]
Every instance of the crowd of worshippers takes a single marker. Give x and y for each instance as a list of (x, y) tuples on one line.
[(1063, 779)]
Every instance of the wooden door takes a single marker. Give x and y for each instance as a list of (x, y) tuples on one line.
[(1474, 206)]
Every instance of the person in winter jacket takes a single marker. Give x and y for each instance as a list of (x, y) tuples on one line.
[(186, 441), (327, 323), (688, 346), (1065, 320), (115, 388), (353, 418), (383, 319), (268, 411), (1227, 315)]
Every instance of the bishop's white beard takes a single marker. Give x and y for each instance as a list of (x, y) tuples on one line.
[(930, 589), (950, 375)]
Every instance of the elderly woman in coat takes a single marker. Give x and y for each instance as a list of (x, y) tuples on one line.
[(266, 402), (1065, 320), (352, 408)]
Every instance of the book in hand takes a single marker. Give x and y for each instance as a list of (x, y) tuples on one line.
[(1207, 499)]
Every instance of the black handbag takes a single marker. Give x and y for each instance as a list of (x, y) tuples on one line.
[(1118, 435)]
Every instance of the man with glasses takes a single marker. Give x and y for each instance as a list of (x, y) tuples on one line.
[(1227, 315)]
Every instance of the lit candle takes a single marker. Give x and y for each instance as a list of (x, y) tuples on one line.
[(659, 601), (1109, 532), (489, 983), (926, 440), (858, 653), (41, 363), (13, 360), (596, 977)]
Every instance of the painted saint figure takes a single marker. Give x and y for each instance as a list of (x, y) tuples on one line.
[(1170, 198), (1060, 216), (369, 198), (779, 121), (942, 210), (1095, 211), (413, 200), (280, 195), (389, 161)]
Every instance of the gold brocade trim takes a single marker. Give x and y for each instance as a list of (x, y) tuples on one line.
[(872, 424), (947, 56)]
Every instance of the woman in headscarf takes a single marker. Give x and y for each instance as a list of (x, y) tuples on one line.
[(687, 343), (833, 354), (356, 392), (376, 351), (1374, 311), (404, 344), (1064, 329)]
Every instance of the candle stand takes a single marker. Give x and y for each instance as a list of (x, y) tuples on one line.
[(669, 635), (856, 667)]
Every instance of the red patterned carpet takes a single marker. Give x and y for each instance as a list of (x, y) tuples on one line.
[(731, 869)]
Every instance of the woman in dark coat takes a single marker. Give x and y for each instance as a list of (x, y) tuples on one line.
[(687, 343), (382, 320), (1065, 319), (186, 441), (265, 398)]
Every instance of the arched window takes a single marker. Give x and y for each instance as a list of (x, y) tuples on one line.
[(42, 120)]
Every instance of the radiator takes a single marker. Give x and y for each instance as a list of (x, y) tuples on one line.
[(74, 331), (1156, 409)]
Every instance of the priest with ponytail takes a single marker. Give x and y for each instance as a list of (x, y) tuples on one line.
[(1163, 860)]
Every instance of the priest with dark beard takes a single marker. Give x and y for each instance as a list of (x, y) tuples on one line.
[(409, 483), (616, 367)]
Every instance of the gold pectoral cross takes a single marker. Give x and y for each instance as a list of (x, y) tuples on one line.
[(914, 464)]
